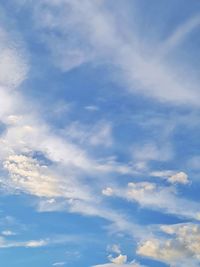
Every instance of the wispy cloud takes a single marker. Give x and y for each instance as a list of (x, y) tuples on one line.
[(156, 197), (59, 264), (96, 29), (180, 33), (61, 168), (28, 244)]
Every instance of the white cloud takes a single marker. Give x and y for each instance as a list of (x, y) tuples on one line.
[(180, 250), (162, 198), (163, 174), (35, 244), (92, 108), (53, 240), (28, 133), (133, 264), (29, 176), (96, 29), (70, 163), (108, 191), (121, 259), (59, 263), (180, 33), (118, 265), (114, 248), (13, 68), (28, 244), (180, 177), (172, 176), (63, 180), (99, 134), (8, 233), (151, 151)]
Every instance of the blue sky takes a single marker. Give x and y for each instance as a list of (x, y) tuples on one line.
[(99, 133)]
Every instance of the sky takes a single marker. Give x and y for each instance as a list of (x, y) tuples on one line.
[(99, 133)]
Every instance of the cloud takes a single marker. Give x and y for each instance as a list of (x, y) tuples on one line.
[(96, 29), (68, 177), (41, 163), (133, 264), (181, 249), (172, 176), (35, 244), (151, 151), (99, 134), (38, 162), (59, 264), (13, 66), (119, 261), (156, 197), (29, 176), (180, 177), (8, 233), (118, 265), (28, 244), (180, 33), (108, 191), (92, 108), (114, 248), (70, 163), (52, 241)]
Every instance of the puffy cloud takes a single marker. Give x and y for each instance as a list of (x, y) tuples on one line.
[(108, 191), (163, 252), (137, 191), (121, 259), (180, 177), (28, 174), (183, 246), (172, 176)]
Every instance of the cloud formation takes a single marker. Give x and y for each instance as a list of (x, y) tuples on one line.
[(179, 250), (81, 168), (156, 197), (97, 30)]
